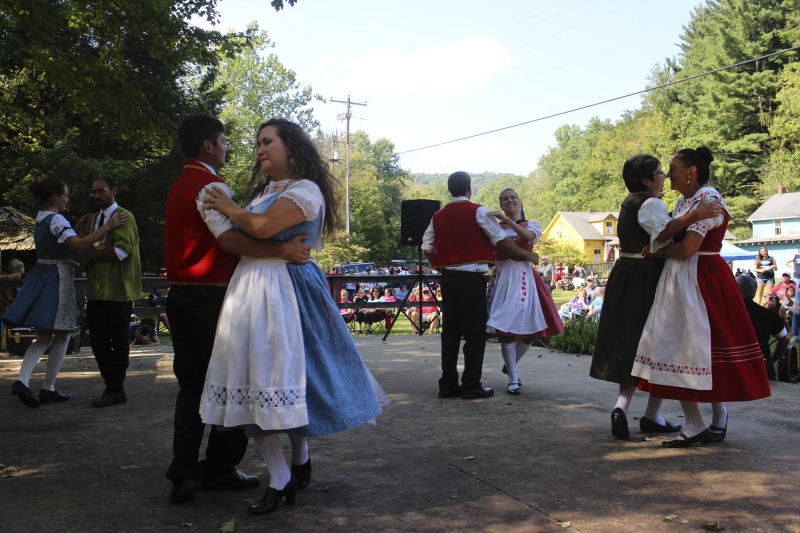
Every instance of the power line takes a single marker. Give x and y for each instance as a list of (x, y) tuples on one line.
[(572, 28), (539, 21), (518, 22), (581, 108)]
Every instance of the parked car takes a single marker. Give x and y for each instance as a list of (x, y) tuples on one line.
[(354, 268)]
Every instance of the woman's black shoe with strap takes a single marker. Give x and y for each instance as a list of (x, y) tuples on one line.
[(272, 498)]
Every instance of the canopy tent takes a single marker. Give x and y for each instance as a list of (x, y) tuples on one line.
[(731, 252)]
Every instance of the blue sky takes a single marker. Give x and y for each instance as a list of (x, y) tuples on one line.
[(438, 70)]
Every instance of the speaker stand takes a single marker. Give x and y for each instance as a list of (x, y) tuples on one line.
[(419, 281)]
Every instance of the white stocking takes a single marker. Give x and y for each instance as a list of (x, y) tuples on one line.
[(521, 348), (653, 411), (719, 416), (269, 446), (694, 420), (510, 358), (32, 355), (626, 391), (57, 352)]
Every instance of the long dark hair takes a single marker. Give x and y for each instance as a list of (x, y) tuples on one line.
[(305, 162)]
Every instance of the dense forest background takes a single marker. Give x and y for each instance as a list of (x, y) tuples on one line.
[(95, 87)]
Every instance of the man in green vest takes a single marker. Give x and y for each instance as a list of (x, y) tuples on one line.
[(113, 282)]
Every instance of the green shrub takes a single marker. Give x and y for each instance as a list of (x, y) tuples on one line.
[(578, 337)]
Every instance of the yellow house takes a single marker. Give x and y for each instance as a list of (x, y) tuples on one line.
[(588, 231)]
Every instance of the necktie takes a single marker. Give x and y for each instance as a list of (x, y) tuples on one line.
[(102, 220)]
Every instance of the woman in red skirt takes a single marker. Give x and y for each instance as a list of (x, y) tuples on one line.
[(698, 344)]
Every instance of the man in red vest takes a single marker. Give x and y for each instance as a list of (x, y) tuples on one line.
[(460, 242), (202, 250)]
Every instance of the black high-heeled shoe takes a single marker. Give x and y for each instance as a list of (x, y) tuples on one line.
[(704, 438), (272, 498), (718, 433), (24, 394), (302, 473), (619, 424), (52, 396)]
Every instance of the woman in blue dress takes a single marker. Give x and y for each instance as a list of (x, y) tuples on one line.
[(46, 300), (283, 359)]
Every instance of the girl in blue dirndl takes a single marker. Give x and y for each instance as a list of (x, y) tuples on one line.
[(283, 359), (46, 300)]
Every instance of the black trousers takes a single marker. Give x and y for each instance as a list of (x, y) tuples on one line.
[(193, 311), (108, 332), (464, 305)]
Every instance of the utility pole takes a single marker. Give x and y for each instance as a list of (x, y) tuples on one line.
[(347, 160)]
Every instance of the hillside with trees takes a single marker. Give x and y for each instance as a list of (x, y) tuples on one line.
[(90, 88)]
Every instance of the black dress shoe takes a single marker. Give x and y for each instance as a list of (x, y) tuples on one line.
[(52, 396), (648, 426), (449, 392), (619, 424), (704, 437), (109, 399), (184, 492), (477, 393), (272, 498), (24, 394), (231, 481), (302, 473)]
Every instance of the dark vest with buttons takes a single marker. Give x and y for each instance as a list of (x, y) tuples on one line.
[(632, 238)]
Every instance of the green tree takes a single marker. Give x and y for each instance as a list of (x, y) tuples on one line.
[(561, 252), (730, 111), (256, 86), (377, 185), (741, 207), (784, 160), (563, 182), (489, 194), (99, 87)]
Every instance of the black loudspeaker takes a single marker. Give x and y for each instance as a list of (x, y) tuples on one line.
[(415, 215)]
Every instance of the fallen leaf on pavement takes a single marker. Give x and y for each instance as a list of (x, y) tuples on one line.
[(714, 527), (228, 526), (670, 517), (565, 524)]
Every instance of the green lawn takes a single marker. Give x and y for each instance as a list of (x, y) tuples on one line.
[(403, 326), (562, 297)]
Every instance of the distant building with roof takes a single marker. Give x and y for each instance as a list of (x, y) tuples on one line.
[(591, 232), (776, 225)]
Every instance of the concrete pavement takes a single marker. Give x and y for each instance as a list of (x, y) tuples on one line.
[(533, 462)]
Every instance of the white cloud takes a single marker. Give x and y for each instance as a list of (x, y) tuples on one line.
[(468, 62)]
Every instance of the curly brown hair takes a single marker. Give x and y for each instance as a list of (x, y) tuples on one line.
[(306, 163)]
